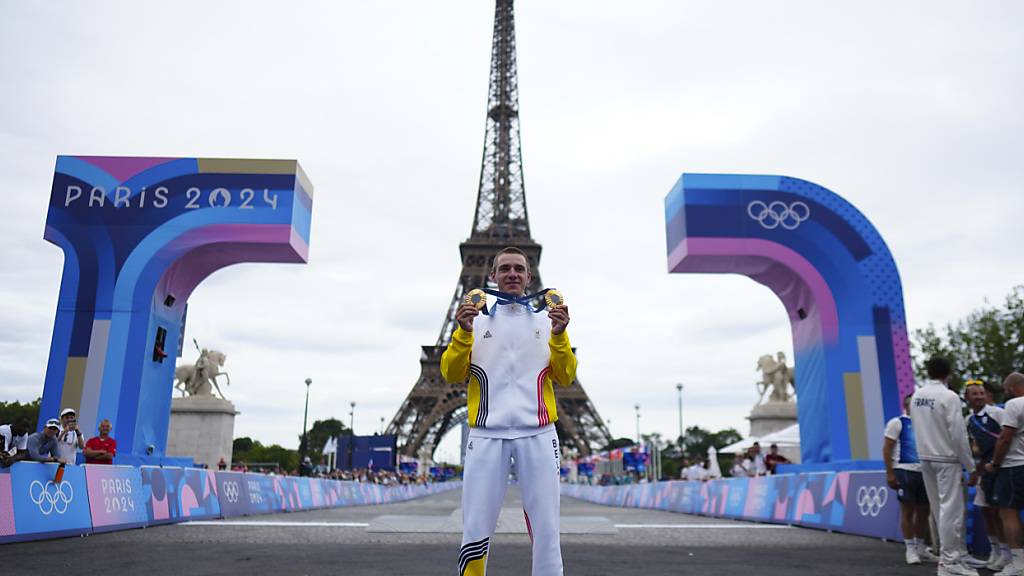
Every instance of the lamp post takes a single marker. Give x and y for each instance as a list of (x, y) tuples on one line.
[(305, 419), (637, 408), (679, 387), (381, 425), (352, 418)]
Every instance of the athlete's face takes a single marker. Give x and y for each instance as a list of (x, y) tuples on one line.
[(975, 396), (511, 273)]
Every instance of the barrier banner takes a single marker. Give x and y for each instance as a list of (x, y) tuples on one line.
[(304, 492), (853, 502), (873, 509), (179, 494), (6, 507), (233, 490), (41, 506), (265, 495), (116, 498)]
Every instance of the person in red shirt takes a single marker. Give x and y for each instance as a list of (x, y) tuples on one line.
[(101, 449)]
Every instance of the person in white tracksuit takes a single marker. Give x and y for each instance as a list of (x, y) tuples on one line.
[(944, 450), (511, 356)]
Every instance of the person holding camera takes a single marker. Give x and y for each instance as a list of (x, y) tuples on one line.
[(69, 440)]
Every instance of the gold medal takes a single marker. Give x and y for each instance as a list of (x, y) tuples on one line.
[(554, 298), (476, 298)]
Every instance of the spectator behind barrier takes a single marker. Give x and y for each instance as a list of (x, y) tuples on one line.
[(42, 446), (101, 449), (773, 458), (13, 442), (69, 440)]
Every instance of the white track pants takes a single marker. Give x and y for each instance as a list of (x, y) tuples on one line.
[(943, 481), (485, 480)]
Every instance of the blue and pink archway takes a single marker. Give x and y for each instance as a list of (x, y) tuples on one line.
[(138, 235), (837, 280)]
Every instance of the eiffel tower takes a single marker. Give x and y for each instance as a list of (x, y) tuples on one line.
[(433, 407)]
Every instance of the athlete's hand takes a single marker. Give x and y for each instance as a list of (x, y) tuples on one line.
[(465, 314), (972, 480), (890, 479), (559, 318)]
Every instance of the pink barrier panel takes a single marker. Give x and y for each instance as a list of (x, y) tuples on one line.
[(6, 508), (115, 497)]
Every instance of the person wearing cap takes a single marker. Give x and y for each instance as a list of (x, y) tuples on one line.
[(984, 424), (70, 439), (42, 446)]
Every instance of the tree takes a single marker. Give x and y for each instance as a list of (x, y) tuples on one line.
[(321, 431), (988, 344), (11, 412), (618, 443), (246, 449)]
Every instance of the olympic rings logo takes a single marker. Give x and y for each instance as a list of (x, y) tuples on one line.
[(871, 500), (51, 497), (777, 213), (231, 491)]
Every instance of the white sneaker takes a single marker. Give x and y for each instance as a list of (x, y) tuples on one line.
[(912, 557), (997, 562), (926, 555), (1009, 570), (972, 562), (956, 569)]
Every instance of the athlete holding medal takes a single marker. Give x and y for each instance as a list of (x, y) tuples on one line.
[(512, 356)]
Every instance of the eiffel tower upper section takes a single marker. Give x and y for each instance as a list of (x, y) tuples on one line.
[(434, 406), (501, 218)]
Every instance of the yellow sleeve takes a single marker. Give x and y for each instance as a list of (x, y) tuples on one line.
[(455, 360), (563, 361)]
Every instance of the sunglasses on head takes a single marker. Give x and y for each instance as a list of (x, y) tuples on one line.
[(974, 383)]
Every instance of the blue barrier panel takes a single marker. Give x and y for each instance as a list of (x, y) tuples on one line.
[(45, 509), (116, 499), (304, 492), (853, 502), (263, 498), (179, 494), (233, 492), (872, 508)]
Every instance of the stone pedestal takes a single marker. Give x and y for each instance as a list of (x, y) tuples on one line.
[(771, 417), (202, 428)]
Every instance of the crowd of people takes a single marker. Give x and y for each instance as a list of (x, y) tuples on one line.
[(59, 441), (754, 463), (927, 450)]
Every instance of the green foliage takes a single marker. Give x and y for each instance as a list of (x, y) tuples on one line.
[(320, 432), (987, 344), (11, 412), (248, 450), (618, 443), (697, 441)]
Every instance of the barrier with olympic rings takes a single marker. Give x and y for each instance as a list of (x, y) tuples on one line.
[(102, 498)]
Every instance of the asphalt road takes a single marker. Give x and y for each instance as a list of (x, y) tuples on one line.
[(385, 540)]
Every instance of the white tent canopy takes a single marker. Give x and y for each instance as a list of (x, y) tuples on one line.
[(789, 436)]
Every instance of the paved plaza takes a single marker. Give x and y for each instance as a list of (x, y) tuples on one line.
[(421, 537)]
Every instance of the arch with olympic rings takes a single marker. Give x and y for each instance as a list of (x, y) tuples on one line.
[(139, 235), (837, 280)]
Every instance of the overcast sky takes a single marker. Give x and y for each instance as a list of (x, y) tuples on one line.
[(910, 110)]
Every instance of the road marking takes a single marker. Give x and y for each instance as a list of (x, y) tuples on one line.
[(715, 526), (276, 524)]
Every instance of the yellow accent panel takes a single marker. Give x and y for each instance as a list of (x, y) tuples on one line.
[(855, 418), (245, 166), (476, 567), (473, 400), (74, 382), (549, 399)]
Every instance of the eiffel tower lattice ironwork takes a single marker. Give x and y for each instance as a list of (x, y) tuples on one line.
[(433, 406)]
